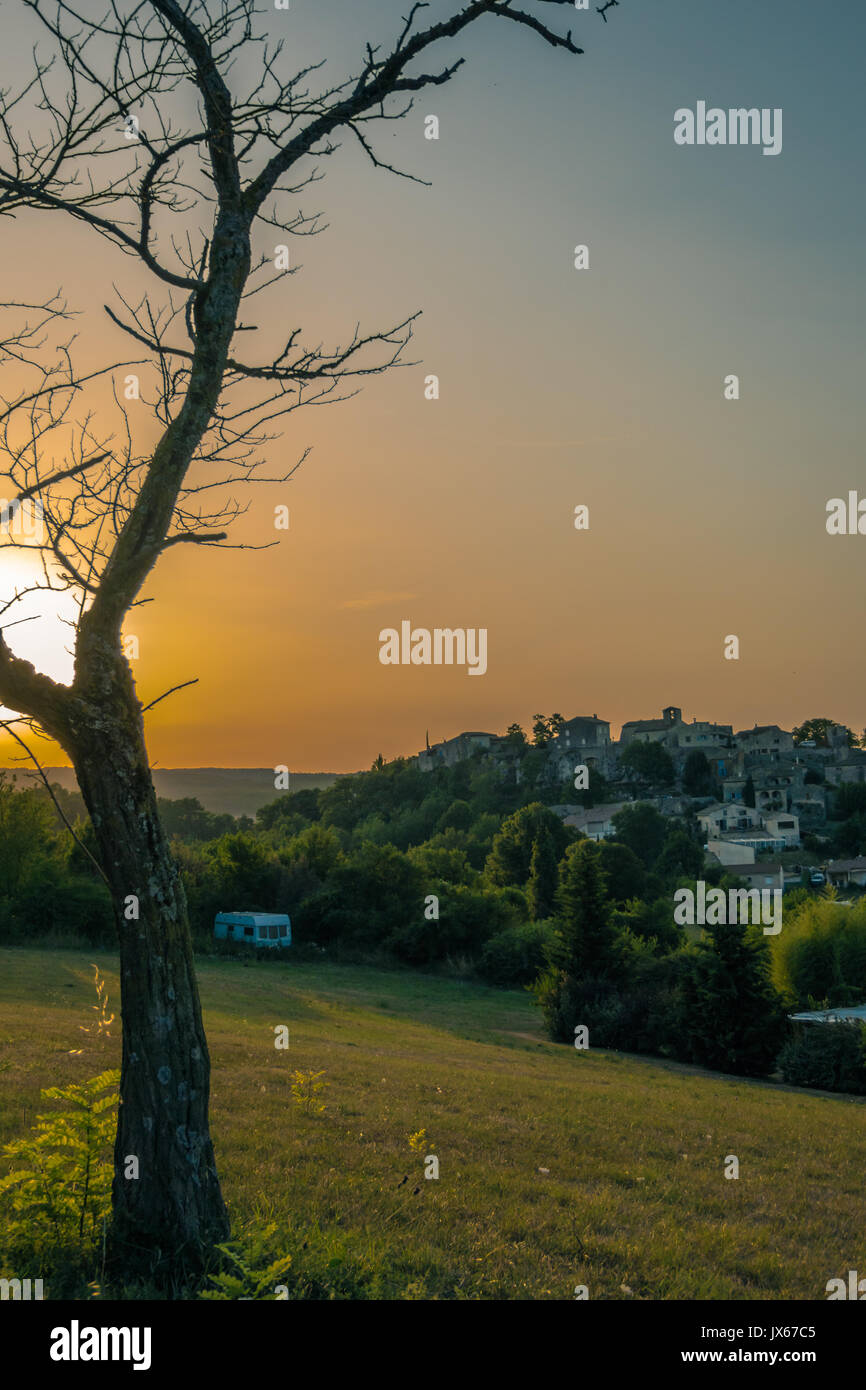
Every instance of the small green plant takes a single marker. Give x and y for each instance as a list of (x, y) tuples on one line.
[(247, 1276), (58, 1194), (307, 1088)]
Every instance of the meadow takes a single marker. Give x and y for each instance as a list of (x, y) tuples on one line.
[(557, 1168)]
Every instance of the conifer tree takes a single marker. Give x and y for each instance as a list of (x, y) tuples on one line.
[(590, 941), (730, 1014), (586, 958), (543, 876)]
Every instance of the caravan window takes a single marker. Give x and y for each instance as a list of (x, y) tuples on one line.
[(273, 932), (248, 931), (283, 929)]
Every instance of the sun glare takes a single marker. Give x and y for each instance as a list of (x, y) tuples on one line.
[(46, 638)]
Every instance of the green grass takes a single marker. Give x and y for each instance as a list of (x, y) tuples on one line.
[(634, 1202)]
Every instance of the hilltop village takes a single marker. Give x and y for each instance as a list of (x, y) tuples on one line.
[(754, 792)]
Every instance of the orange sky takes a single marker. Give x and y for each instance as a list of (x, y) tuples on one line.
[(558, 387)]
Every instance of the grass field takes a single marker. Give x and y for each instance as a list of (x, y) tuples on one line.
[(557, 1168)]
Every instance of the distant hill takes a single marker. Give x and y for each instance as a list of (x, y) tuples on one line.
[(240, 791)]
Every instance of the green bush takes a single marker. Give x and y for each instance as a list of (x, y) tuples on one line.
[(514, 957), (632, 1017), (828, 1056), (568, 1002), (72, 904), (57, 1197), (821, 953), (367, 898), (510, 859), (467, 917)]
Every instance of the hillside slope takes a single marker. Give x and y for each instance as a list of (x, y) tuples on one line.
[(557, 1168)]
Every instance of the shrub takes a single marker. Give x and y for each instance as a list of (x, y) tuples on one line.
[(514, 957), (467, 917), (632, 1017), (364, 900), (58, 1194), (828, 1056), (591, 1000), (821, 954)]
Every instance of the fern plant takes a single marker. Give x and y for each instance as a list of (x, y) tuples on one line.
[(248, 1277), (58, 1193)]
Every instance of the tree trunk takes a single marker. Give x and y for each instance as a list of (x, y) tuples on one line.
[(166, 1217)]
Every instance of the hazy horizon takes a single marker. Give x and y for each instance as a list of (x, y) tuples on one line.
[(526, 724)]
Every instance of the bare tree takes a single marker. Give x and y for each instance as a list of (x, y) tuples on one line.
[(100, 131)]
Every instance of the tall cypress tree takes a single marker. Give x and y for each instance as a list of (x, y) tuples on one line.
[(543, 876), (584, 914), (585, 958)]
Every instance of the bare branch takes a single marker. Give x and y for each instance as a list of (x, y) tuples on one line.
[(117, 150), (183, 685)]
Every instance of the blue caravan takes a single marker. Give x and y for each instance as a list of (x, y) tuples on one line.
[(254, 928)]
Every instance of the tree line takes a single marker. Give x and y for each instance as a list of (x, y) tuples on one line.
[(441, 871)]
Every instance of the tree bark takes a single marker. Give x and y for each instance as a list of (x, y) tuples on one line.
[(165, 1218)]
